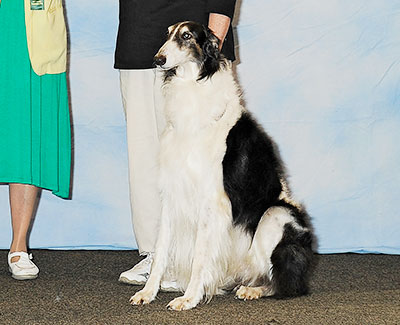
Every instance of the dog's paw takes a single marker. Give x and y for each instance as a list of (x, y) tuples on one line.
[(181, 303), (249, 293), (141, 297)]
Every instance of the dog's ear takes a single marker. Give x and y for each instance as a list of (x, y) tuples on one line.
[(211, 55)]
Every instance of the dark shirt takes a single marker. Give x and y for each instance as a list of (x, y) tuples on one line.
[(143, 27)]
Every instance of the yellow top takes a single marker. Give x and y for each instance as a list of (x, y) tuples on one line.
[(47, 37)]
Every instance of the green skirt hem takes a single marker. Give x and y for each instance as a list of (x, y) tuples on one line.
[(52, 188)]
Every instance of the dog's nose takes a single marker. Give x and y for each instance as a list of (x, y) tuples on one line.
[(160, 60)]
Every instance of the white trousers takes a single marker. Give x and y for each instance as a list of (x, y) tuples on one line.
[(143, 105)]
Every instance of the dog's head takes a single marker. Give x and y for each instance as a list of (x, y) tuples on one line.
[(190, 42)]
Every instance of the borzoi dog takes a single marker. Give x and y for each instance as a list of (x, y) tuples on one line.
[(228, 221)]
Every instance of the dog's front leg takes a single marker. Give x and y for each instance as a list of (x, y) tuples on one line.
[(195, 290), (200, 274), (150, 290)]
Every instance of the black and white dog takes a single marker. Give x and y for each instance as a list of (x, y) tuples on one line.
[(228, 221)]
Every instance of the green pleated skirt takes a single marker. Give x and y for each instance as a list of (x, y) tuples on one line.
[(35, 131)]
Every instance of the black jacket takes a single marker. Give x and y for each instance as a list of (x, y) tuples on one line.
[(143, 27)]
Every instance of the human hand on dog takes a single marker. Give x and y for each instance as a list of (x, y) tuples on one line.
[(219, 24)]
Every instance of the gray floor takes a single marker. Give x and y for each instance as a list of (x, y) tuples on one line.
[(80, 287)]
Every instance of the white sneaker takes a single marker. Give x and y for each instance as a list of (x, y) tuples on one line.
[(139, 274), (24, 268), (169, 286)]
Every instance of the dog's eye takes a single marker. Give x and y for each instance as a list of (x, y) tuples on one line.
[(186, 36)]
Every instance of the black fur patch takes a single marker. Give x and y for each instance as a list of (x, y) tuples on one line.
[(292, 263), (252, 170), (212, 60), (169, 74)]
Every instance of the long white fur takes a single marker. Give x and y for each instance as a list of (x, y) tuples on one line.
[(198, 245)]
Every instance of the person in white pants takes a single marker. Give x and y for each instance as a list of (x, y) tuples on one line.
[(143, 105), (142, 101)]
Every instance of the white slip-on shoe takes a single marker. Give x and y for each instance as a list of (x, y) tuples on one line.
[(139, 274), (169, 286), (24, 268)]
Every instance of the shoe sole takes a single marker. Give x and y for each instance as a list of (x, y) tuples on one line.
[(169, 289), (132, 282), (139, 283), (23, 277)]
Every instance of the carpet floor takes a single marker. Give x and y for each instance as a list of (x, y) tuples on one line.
[(81, 287)]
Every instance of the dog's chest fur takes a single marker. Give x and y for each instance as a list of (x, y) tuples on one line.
[(199, 117)]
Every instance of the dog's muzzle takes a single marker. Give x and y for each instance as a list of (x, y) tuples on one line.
[(160, 60)]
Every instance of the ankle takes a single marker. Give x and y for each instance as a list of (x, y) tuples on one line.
[(18, 247)]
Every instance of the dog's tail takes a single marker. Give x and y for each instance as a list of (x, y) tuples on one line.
[(292, 263)]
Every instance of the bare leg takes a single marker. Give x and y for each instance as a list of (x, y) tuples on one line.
[(23, 199)]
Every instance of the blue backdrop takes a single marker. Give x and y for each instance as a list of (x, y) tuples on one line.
[(323, 77)]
